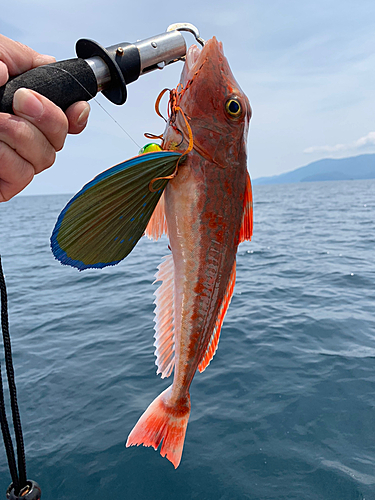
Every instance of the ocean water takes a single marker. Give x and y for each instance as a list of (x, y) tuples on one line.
[(286, 410)]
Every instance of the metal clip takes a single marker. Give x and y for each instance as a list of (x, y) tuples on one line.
[(187, 27)]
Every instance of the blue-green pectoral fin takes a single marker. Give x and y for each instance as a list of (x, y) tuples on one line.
[(102, 223)]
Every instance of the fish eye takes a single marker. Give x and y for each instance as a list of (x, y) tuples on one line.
[(233, 108)]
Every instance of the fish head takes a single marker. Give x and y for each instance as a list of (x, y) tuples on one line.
[(216, 108)]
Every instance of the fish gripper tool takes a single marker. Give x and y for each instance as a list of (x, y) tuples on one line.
[(98, 69)]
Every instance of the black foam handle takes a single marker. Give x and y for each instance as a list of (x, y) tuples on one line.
[(57, 81)]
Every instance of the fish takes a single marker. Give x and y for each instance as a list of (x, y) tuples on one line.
[(206, 210)]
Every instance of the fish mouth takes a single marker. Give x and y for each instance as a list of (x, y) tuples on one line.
[(192, 58), (195, 57)]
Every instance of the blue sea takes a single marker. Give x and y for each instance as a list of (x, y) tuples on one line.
[(286, 410)]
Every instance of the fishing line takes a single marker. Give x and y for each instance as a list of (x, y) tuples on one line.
[(98, 103), (121, 127)]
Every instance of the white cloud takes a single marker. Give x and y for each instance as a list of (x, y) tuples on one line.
[(362, 143), (368, 140)]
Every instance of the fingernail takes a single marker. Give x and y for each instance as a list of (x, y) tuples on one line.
[(83, 117), (26, 103)]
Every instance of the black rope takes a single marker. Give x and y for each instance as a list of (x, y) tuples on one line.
[(6, 437), (19, 479)]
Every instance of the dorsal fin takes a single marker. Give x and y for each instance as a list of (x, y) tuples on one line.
[(164, 317), (157, 225), (247, 219), (214, 340)]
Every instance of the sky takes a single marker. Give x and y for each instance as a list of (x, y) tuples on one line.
[(308, 69)]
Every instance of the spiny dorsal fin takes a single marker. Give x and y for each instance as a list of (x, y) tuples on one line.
[(214, 340), (164, 317), (157, 225), (247, 219)]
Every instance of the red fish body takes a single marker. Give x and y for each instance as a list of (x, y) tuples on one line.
[(206, 210)]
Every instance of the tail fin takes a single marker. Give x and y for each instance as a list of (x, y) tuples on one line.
[(163, 422)]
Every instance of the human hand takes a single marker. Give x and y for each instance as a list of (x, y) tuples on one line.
[(30, 138)]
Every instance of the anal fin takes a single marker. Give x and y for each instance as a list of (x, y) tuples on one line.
[(164, 317), (214, 340)]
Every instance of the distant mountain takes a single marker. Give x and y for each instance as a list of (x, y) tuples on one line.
[(355, 167)]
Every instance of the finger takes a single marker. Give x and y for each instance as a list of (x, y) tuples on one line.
[(42, 113), (15, 173), (20, 58), (4, 75), (27, 141), (77, 114)]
